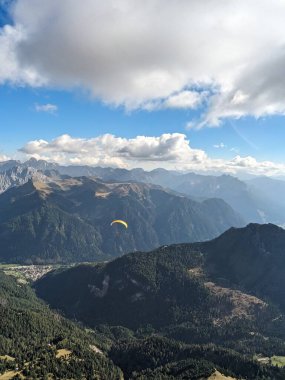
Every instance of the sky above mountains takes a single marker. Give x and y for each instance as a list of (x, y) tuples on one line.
[(191, 85)]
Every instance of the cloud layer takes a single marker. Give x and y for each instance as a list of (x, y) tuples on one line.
[(154, 53), (169, 151)]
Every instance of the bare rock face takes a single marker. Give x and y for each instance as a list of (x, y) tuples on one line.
[(19, 175)]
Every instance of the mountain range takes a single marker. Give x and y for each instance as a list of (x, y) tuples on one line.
[(200, 297), (257, 200), (68, 219)]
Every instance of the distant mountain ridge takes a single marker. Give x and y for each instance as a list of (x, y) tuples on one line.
[(255, 201), (68, 220)]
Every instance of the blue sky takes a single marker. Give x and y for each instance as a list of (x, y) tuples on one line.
[(126, 81), (80, 116)]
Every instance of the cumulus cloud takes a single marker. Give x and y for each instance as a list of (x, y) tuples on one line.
[(153, 53), (257, 91), (109, 150), (48, 108), (169, 151)]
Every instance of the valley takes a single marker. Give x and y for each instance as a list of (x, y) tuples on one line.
[(142, 183), (185, 290), (26, 273)]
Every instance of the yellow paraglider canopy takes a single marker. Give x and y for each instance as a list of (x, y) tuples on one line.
[(121, 222)]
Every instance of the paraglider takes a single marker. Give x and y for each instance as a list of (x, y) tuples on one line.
[(121, 222)]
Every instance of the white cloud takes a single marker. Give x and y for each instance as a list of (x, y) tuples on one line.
[(186, 99), (170, 151), (182, 100), (109, 150), (145, 53), (11, 69), (3, 157), (49, 108), (219, 146)]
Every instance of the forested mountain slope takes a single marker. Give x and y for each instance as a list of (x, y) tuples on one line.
[(224, 293), (68, 220), (34, 340), (36, 343)]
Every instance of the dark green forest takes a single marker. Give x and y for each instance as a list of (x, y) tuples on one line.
[(32, 336), (179, 310)]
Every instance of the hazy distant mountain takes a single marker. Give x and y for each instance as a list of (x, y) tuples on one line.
[(231, 189), (269, 195), (228, 291), (254, 199), (271, 187), (68, 220)]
